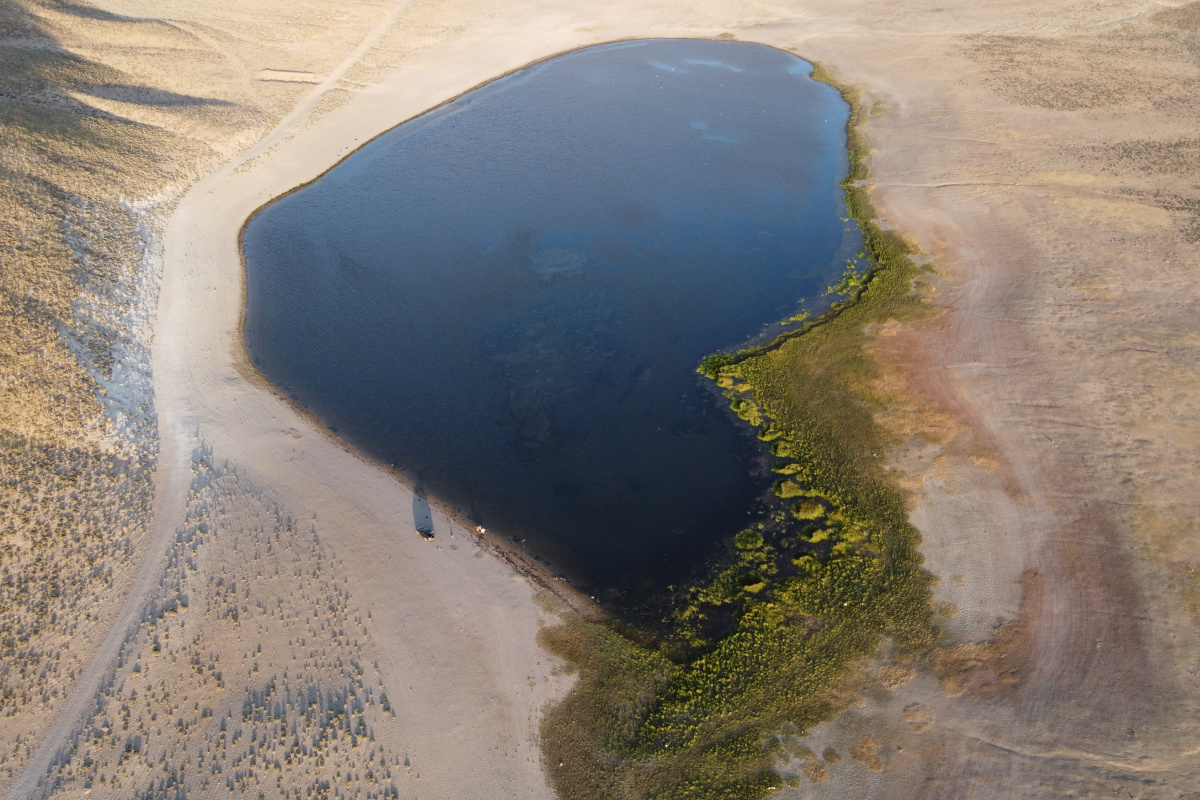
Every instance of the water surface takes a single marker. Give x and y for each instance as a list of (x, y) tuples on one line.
[(507, 297)]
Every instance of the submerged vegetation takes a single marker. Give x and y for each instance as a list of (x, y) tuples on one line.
[(769, 643)]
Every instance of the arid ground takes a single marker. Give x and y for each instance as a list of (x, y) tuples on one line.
[(201, 592)]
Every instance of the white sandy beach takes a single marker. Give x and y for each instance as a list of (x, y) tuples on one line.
[(1024, 503)]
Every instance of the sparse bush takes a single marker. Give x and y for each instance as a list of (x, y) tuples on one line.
[(787, 489), (748, 540), (808, 510)]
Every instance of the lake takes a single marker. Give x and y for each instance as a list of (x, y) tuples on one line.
[(507, 297)]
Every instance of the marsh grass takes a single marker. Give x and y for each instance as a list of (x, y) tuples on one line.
[(774, 637)]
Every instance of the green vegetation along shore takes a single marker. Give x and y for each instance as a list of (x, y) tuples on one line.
[(774, 639)]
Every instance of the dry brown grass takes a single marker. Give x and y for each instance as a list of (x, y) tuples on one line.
[(75, 462), (865, 750), (85, 143), (251, 672)]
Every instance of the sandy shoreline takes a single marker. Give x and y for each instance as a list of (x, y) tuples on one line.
[(539, 573), (1059, 384)]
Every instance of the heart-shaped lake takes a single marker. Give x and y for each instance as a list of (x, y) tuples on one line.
[(507, 298)]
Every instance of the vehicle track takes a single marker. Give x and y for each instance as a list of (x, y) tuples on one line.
[(174, 461)]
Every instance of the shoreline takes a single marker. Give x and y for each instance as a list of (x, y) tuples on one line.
[(808, 602), (525, 564), (858, 209)]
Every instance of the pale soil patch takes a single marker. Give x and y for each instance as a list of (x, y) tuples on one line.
[(288, 76)]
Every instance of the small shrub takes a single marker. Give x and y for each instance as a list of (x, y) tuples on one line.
[(748, 540), (808, 510), (788, 489)]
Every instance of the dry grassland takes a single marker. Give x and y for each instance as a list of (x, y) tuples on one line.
[(1044, 155), (273, 687), (1052, 175), (103, 118)]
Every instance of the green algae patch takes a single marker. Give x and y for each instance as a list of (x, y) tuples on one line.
[(773, 637), (808, 510), (786, 489), (748, 540)]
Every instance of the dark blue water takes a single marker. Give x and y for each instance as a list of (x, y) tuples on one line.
[(508, 296)]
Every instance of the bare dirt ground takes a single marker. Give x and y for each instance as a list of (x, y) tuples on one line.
[(1051, 171), (208, 594)]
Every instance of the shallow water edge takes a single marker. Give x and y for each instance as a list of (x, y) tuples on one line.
[(406, 413), (703, 713)]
